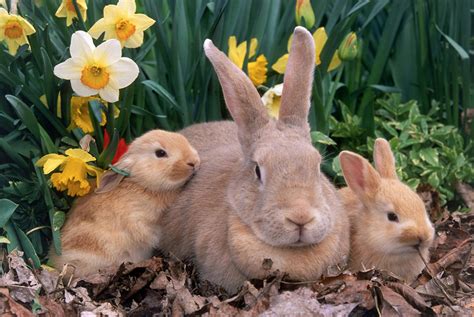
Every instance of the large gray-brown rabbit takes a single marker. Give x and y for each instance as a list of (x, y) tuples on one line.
[(260, 193)]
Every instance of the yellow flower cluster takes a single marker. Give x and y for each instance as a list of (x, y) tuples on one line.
[(73, 171), (95, 73), (257, 69)]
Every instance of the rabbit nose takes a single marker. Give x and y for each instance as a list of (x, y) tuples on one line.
[(300, 221), (194, 164), (418, 242)]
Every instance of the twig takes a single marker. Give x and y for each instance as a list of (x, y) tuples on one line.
[(437, 281)]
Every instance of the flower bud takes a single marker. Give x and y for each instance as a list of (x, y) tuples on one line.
[(304, 10), (349, 47)]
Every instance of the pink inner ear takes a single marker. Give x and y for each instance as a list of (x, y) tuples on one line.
[(357, 169)]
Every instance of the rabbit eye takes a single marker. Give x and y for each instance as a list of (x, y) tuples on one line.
[(392, 217), (257, 172), (160, 153)]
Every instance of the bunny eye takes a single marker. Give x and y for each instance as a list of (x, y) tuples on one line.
[(257, 172), (160, 153), (391, 216)]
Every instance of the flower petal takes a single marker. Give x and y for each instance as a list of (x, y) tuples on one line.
[(108, 53), (335, 62), (69, 69), (258, 70), (237, 53), (27, 27), (320, 37), (98, 28), (134, 41), (141, 21), (80, 154), (95, 171), (50, 162), (253, 47), (128, 5), (81, 89), (81, 45), (124, 72), (108, 93), (280, 65)]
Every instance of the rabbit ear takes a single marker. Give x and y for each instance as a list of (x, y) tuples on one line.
[(241, 97), (360, 176), (111, 179), (298, 80), (108, 182), (384, 159)]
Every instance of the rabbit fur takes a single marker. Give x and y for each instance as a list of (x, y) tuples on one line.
[(260, 193), (118, 223), (389, 223)]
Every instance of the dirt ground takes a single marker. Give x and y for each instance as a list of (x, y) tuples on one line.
[(166, 286)]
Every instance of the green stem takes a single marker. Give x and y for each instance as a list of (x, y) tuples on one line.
[(328, 103)]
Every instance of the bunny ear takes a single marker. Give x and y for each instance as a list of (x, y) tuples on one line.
[(108, 182), (360, 176), (298, 80), (241, 97), (384, 160)]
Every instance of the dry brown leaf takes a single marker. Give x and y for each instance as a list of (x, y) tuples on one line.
[(460, 255), (412, 297), (9, 307), (393, 304)]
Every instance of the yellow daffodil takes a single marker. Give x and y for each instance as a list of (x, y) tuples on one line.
[(3, 4), (272, 100), (14, 30), (304, 10), (257, 70), (320, 38), (80, 117), (122, 23), (67, 10), (74, 170), (97, 70), (44, 101)]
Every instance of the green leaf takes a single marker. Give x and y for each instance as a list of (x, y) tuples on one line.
[(13, 237), (7, 208), (26, 115), (108, 154), (459, 49), (433, 180), (430, 156), (27, 246), (162, 92), (58, 220), (319, 137)]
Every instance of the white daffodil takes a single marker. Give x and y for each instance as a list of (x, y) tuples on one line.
[(271, 99), (97, 70), (122, 23)]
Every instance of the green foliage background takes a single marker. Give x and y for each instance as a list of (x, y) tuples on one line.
[(418, 49)]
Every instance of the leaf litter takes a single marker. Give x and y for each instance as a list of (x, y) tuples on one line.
[(167, 286)]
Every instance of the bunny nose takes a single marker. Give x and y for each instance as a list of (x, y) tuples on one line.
[(300, 221), (194, 164)]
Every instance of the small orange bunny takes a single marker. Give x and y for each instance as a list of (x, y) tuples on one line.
[(389, 223), (119, 222)]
